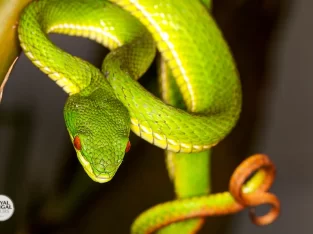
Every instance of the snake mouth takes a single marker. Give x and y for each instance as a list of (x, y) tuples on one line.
[(102, 179)]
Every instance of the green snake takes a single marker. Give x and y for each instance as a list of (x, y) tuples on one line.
[(197, 73)]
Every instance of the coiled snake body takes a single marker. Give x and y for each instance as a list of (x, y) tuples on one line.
[(104, 105)]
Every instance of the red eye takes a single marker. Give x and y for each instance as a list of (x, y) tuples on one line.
[(77, 143), (128, 146)]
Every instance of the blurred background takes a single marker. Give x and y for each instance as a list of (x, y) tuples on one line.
[(272, 44)]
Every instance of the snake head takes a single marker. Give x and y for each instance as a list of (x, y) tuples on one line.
[(99, 127)]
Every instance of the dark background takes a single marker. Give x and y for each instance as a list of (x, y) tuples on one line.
[(272, 44)]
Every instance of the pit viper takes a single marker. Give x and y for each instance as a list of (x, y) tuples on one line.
[(200, 99)]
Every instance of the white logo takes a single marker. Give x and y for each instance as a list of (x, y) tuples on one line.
[(6, 208)]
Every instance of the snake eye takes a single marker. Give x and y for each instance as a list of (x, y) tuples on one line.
[(77, 143), (128, 146)]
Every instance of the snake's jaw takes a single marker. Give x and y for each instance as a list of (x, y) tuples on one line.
[(100, 166), (100, 178)]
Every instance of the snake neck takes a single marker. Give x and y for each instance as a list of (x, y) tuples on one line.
[(97, 20)]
